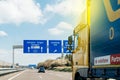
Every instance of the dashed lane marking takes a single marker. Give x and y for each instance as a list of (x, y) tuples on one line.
[(16, 75)]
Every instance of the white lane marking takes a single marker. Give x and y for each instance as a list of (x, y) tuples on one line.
[(40, 77), (15, 76)]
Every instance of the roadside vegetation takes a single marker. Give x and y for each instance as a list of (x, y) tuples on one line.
[(62, 63)]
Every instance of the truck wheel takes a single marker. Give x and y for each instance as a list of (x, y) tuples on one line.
[(79, 78)]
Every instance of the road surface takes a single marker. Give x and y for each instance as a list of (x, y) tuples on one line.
[(30, 74)]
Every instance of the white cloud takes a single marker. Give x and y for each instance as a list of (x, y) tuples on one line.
[(5, 57), (60, 29), (55, 31), (19, 11), (64, 26), (49, 8), (67, 7), (3, 51), (2, 34)]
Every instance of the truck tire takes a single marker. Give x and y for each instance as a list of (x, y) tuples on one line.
[(79, 78)]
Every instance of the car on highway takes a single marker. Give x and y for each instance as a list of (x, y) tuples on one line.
[(41, 69)]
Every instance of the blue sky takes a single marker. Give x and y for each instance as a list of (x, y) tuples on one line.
[(35, 20)]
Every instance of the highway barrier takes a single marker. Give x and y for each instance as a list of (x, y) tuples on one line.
[(4, 71)]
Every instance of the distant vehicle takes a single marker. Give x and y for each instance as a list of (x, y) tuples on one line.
[(41, 69)]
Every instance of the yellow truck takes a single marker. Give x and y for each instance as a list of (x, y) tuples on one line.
[(96, 40)]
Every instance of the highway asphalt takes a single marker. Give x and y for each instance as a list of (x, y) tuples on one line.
[(32, 74)]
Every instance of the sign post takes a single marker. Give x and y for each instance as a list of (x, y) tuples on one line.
[(15, 47)]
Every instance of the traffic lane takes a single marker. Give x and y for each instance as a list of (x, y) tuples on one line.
[(26, 75), (34, 75), (55, 75), (22, 75)]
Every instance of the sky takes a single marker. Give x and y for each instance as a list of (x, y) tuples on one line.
[(35, 20)]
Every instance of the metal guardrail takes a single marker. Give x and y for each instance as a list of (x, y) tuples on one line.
[(4, 71)]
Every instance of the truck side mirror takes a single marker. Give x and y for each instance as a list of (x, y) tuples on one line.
[(70, 46), (70, 40)]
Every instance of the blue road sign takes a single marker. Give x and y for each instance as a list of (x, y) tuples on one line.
[(65, 46), (55, 46), (35, 46)]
